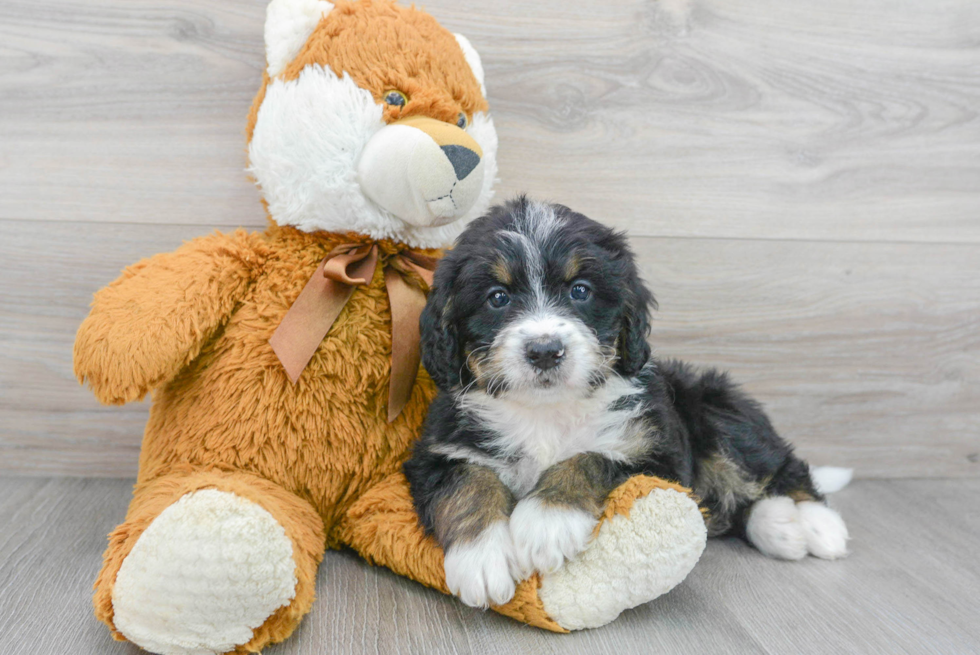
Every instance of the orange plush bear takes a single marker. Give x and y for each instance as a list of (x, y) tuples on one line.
[(284, 364)]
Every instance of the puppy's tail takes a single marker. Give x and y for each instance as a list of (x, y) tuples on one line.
[(829, 479)]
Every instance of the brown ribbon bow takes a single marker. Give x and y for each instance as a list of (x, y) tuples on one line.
[(320, 302)]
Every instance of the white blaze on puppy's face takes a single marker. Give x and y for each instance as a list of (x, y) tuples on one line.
[(544, 352), (579, 355)]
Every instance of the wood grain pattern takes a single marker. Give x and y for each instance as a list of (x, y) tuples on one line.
[(760, 119), (902, 589), (866, 355), (801, 182), (50, 551)]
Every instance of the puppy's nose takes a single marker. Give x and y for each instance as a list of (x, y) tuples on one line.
[(544, 354)]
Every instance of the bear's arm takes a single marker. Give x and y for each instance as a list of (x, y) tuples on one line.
[(155, 318)]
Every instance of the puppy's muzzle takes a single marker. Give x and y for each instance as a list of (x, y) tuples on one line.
[(545, 353), (425, 172)]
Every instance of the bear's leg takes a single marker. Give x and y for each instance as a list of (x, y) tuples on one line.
[(210, 562), (383, 528), (648, 540), (650, 536)]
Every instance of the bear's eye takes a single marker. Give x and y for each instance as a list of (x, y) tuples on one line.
[(396, 99), (498, 298), (580, 291), (461, 121)]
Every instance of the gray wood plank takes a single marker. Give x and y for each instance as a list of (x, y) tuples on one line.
[(50, 551), (909, 586), (852, 348), (49, 425), (896, 592), (759, 119), (866, 355), (129, 110)]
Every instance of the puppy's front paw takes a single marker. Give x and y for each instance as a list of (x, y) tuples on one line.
[(479, 571), (544, 536)]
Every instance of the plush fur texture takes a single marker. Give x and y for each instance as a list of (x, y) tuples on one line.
[(473, 59), (152, 497), (311, 121), (304, 153), (635, 556), (288, 25), (222, 400), (174, 588), (535, 332), (314, 465), (302, 467)]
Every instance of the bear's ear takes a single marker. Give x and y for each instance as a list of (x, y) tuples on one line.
[(288, 24), (473, 59)]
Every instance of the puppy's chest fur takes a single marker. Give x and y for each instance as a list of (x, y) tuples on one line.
[(523, 439)]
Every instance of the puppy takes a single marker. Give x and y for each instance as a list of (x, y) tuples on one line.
[(535, 332)]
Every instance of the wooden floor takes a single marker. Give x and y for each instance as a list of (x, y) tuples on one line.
[(910, 585)]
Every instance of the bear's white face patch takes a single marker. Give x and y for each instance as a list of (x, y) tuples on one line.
[(308, 137)]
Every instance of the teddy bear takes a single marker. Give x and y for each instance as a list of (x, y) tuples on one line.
[(284, 365)]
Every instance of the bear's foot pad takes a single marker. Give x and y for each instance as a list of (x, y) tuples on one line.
[(632, 560), (207, 571)]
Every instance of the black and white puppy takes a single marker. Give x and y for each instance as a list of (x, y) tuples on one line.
[(536, 332)]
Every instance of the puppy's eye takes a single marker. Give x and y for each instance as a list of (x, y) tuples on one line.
[(580, 291), (396, 98), (461, 121), (498, 298)]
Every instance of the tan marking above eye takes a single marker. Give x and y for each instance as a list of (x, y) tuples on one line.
[(502, 272), (572, 267)]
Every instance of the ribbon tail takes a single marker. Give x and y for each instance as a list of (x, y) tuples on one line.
[(426, 272), (407, 302), (308, 320)]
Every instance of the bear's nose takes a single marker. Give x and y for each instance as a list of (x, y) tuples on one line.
[(462, 158), (544, 354)]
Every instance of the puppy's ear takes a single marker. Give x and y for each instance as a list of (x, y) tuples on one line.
[(634, 350), (440, 341)]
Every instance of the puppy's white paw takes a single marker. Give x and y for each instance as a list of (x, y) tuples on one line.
[(480, 571), (774, 527), (824, 529), (545, 536)]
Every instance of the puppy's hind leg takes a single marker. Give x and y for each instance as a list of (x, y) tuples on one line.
[(794, 520), (826, 533), (773, 526)]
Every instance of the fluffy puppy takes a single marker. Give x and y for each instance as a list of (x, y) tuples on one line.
[(536, 332)]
